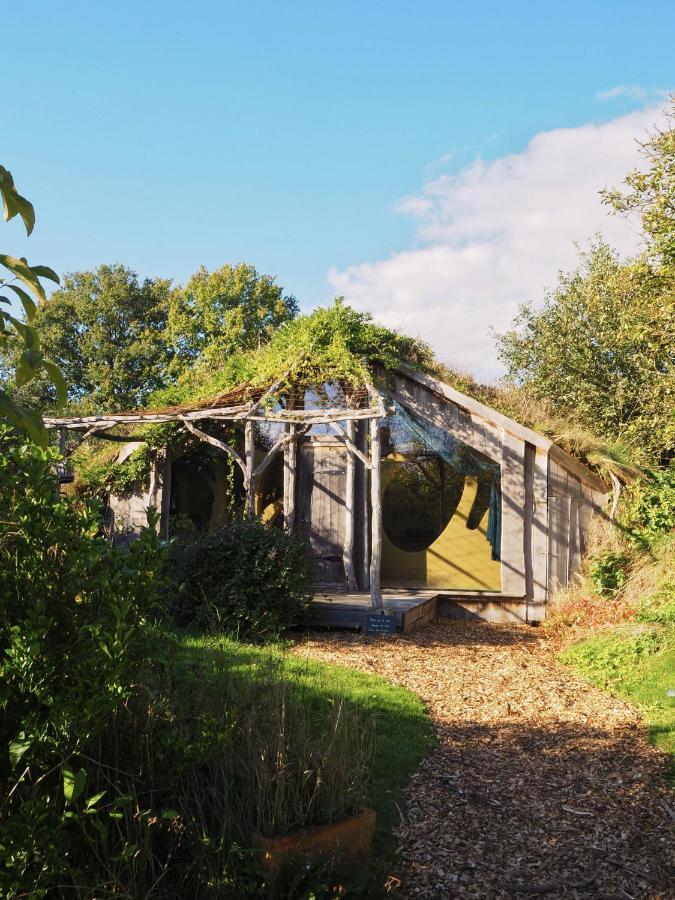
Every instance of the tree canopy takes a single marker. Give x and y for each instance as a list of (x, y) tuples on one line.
[(221, 312), (106, 329)]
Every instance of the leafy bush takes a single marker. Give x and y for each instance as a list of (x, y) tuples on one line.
[(71, 623), (649, 511), (608, 572), (244, 578)]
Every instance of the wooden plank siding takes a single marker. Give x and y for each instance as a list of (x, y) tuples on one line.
[(513, 516), (536, 604)]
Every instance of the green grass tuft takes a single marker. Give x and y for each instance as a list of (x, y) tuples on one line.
[(636, 662)]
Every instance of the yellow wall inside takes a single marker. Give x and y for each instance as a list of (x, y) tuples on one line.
[(459, 558)]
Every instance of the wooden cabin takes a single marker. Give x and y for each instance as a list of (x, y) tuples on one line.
[(405, 488)]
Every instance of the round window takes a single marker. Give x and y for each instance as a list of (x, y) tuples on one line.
[(420, 497)]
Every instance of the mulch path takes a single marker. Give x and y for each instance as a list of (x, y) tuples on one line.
[(540, 785)]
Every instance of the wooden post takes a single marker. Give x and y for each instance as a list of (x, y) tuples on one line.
[(363, 428), (249, 448), (290, 467), (350, 475), (376, 516), (513, 516), (166, 493)]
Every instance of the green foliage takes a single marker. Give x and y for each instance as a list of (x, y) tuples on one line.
[(636, 663), (99, 474), (106, 330), (403, 730), (607, 657), (652, 193), (71, 622), (244, 578), (608, 572), (222, 312), (648, 513), (600, 351), (21, 338), (334, 343)]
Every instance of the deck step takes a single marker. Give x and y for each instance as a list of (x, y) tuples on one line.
[(351, 610)]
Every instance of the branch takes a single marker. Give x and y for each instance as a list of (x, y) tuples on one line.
[(207, 438)]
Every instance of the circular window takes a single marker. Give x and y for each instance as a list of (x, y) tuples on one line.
[(420, 498)]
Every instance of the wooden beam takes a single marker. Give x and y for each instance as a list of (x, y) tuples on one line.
[(350, 480), (91, 432), (376, 517), (536, 606), (316, 416), (209, 439), (249, 452), (79, 423), (344, 435), (278, 445)]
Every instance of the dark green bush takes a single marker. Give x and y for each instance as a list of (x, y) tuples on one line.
[(71, 626), (245, 578)]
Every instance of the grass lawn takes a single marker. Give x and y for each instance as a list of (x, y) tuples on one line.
[(403, 729), (636, 662)]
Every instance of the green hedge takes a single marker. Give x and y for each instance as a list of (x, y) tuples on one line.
[(245, 578)]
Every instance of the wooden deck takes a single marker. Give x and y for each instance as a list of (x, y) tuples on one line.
[(408, 609)]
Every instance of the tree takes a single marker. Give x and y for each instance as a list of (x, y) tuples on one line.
[(652, 193), (601, 349), (232, 308), (22, 336), (106, 330)]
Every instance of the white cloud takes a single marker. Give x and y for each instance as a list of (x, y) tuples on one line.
[(495, 235), (633, 91)]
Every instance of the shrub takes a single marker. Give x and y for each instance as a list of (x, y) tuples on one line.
[(71, 623), (649, 511), (608, 572), (244, 578)]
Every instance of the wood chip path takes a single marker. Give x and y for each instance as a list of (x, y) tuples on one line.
[(540, 785)]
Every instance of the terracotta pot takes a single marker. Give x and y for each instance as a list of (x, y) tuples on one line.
[(348, 839)]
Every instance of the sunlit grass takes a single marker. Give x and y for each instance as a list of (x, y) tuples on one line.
[(403, 729)]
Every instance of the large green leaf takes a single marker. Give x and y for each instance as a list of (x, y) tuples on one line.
[(28, 366), (26, 300), (73, 784), (17, 748), (26, 419), (13, 203), (57, 380), (29, 335), (46, 272), (24, 272)]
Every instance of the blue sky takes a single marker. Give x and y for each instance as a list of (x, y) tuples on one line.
[(167, 135)]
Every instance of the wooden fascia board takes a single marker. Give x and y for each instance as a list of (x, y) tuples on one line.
[(477, 408)]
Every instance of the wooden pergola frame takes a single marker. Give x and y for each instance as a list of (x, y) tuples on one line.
[(297, 422)]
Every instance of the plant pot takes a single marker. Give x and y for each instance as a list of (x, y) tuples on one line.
[(347, 839)]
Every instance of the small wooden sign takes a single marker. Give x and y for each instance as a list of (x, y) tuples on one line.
[(379, 624)]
